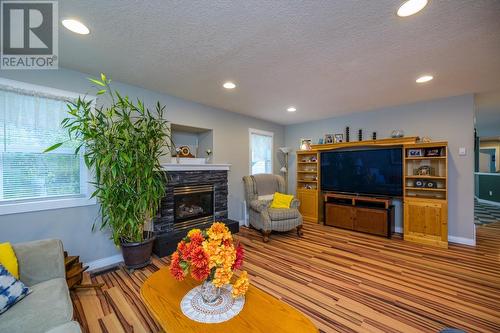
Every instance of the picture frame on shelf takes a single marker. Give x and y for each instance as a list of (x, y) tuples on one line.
[(433, 152), (415, 152), (338, 138), (328, 138), (424, 170), (305, 144)]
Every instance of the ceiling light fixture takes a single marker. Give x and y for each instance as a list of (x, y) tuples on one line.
[(292, 109), (229, 85), (76, 26), (424, 78), (411, 7)]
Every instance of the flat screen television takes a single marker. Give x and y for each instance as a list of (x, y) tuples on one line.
[(373, 171)]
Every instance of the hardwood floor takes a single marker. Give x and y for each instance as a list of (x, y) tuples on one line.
[(344, 281)]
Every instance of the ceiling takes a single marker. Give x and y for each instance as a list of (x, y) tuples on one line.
[(327, 58)]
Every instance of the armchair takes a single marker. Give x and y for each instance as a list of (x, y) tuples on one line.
[(258, 194)]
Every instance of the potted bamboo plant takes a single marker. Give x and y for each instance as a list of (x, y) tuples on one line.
[(121, 143)]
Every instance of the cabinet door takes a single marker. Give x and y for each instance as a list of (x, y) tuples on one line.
[(308, 204), (426, 221), (339, 216), (373, 221)]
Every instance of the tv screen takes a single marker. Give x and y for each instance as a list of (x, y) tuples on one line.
[(374, 171)]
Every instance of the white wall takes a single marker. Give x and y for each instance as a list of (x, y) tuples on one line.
[(449, 119), (230, 145)]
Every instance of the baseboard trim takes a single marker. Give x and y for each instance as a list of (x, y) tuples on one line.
[(451, 239), (462, 240), (488, 202), (104, 262)]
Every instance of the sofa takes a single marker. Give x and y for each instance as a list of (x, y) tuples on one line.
[(48, 308), (258, 195)]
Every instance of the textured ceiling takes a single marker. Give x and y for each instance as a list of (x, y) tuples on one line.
[(325, 57)]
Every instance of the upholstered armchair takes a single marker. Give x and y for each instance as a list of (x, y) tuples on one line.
[(259, 190)]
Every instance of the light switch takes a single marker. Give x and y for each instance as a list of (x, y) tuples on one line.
[(462, 151)]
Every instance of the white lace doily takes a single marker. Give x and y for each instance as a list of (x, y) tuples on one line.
[(223, 309)]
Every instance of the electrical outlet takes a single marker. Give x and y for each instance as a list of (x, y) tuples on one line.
[(462, 151), (491, 193)]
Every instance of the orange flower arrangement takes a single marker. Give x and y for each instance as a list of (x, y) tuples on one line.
[(210, 254)]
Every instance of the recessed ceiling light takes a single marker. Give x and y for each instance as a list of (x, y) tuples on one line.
[(424, 78), (229, 85), (292, 109), (411, 7), (76, 26)]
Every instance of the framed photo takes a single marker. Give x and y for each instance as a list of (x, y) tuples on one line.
[(338, 138), (328, 138), (305, 144), (433, 152), (415, 152)]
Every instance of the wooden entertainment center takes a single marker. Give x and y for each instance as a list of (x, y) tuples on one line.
[(425, 193)]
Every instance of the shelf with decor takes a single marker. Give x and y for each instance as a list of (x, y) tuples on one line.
[(425, 189), (307, 184), (425, 157), (425, 171)]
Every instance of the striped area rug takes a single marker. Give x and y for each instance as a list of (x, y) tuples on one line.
[(485, 213)]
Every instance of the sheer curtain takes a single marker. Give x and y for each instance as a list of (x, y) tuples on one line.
[(261, 145), (30, 123)]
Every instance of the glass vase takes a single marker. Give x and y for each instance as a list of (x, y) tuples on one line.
[(209, 292)]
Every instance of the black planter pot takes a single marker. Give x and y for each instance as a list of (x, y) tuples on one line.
[(137, 255)]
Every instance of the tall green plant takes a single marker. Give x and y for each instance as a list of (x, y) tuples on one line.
[(122, 144)]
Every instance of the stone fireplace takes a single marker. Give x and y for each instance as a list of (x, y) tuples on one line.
[(195, 197)]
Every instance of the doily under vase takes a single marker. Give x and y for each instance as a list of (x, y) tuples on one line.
[(222, 309)]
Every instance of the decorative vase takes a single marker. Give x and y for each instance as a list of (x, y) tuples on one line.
[(209, 292)]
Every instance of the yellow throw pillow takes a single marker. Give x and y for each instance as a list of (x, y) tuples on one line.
[(281, 200), (8, 259)]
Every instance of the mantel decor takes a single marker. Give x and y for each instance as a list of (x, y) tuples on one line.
[(211, 257)]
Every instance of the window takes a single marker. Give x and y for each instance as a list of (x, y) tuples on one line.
[(261, 151), (30, 118)]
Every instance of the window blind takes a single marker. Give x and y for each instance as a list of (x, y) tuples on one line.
[(30, 123), (261, 146)]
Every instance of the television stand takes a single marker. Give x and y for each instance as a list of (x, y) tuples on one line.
[(360, 213)]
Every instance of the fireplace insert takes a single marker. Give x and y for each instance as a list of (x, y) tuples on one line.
[(193, 205)]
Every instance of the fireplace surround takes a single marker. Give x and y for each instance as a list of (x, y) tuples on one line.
[(195, 197)]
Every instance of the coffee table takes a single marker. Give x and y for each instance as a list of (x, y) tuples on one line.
[(262, 312)]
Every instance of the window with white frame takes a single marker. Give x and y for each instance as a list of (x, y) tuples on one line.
[(261, 151), (30, 122)]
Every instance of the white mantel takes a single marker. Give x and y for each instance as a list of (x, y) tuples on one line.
[(194, 167)]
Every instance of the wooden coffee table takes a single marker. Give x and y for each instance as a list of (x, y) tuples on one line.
[(261, 313)]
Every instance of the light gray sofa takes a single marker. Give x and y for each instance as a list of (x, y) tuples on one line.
[(48, 309)]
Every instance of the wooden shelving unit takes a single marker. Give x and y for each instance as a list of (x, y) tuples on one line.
[(425, 195), (308, 185), (425, 190)]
